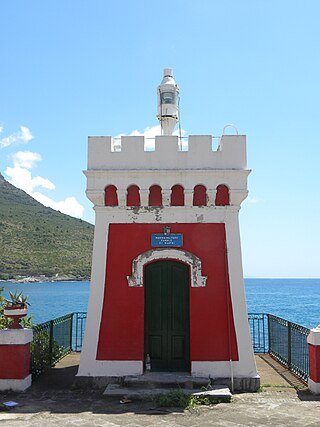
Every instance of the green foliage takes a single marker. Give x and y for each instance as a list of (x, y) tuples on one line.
[(179, 399), (2, 299), (17, 299), (5, 322), (278, 387), (26, 322), (175, 398), (199, 400), (36, 240), (42, 357)]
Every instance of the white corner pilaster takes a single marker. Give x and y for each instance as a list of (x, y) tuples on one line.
[(91, 335), (239, 306)]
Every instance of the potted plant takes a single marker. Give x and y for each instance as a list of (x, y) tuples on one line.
[(15, 308)]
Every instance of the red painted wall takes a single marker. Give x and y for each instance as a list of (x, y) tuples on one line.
[(15, 361), (121, 335), (314, 361)]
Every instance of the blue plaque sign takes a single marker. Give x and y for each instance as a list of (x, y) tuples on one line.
[(167, 240)]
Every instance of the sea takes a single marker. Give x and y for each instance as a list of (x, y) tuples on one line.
[(297, 300)]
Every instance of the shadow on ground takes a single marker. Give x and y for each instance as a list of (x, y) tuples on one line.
[(57, 392)]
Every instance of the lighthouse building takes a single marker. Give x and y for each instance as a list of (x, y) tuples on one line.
[(167, 280)]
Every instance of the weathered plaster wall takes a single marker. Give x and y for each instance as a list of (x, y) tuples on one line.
[(121, 334)]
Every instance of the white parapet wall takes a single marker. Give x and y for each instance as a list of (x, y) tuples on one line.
[(231, 153)]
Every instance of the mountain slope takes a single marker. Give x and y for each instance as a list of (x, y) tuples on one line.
[(36, 240)]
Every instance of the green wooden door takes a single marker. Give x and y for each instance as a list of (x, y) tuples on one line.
[(167, 316)]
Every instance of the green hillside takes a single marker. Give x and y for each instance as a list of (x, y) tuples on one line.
[(35, 240)]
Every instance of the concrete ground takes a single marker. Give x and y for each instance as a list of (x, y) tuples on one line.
[(53, 400)]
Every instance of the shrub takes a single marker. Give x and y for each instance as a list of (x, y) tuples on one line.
[(42, 357), (178, 399)]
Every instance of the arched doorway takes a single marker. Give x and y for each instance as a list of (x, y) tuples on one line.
[(167, 315)]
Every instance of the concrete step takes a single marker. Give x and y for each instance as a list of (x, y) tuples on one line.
[(153, 380), (216, 393)]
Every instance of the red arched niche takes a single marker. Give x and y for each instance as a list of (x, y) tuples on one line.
[(155, 195), (110, 196), (199, 195), (177, 195), (133, 195), (222, 196)]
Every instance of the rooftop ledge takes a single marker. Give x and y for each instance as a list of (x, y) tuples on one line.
[(132, 153)]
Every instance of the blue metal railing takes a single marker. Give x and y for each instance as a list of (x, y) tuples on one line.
[(54, 339), (285, 341), (258, 323), (288, 344)]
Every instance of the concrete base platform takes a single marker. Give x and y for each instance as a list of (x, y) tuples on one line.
[(152, 384), (167, 380), (248, 385), (171, 380), (220, 393)]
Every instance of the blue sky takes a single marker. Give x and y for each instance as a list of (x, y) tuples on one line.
[(71, 68)]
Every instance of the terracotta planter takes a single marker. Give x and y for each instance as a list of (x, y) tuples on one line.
[(15, 312)]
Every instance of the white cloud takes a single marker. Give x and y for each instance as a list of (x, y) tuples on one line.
[(253, 200), (69, 206), (21, 177), (26, 159), (23, 136)]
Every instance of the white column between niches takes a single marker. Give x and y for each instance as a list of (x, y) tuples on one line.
[(211, 196), (144, 197), (188, 197)]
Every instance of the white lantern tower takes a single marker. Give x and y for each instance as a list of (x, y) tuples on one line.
[(168, 109)]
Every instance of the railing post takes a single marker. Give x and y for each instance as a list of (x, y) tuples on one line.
[(289, 345), (77, 321), (269, 332), (71, 330), (50, 341)]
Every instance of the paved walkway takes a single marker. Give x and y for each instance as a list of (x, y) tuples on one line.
[(54, 401)]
